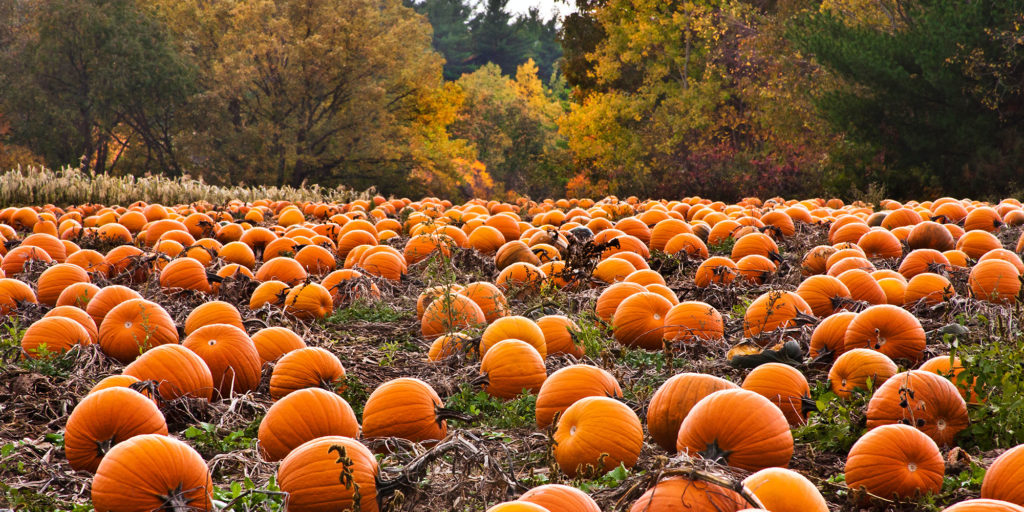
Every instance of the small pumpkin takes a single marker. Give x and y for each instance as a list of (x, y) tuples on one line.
[(888, 329), (274, 342), (773, 310), (308, 301), (829, 337), (559, 335), (639, 320), (213, 312), (514, 327), (784, 490), (231, 356), (682, 494), (185, 274), (51, 336)]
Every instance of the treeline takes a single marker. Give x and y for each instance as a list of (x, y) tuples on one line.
[(721, 98)]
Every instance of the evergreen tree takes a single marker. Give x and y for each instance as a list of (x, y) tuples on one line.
[(452, 39)]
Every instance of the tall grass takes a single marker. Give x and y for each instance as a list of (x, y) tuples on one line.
[(70, 186)]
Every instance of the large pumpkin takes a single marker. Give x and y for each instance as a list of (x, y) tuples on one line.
[(685, 495), (104, 418), (310, 367), (895, 460), (560, 335), (984, 505), (739, 428), (152, 472), (824, 294), (213, 312), (1004, 479), (569, 384), (185, 274), (407, 408), (784, 490), (514, 327), (995, 281), (308, 301), (303, 416), (231, 356), (135, 326), (888, 329), (926, 401), (274, 342), (639, 321), (329, 473), (693, 321), (511, 367), (178, 370), (829, 337), (597, 434), (672, 402), (55, 279), (785, 387), (52, 336)]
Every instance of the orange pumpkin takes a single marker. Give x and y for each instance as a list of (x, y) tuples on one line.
[(406, 408), (923, 400), (1004, 479), (179, 371), (135, 326), (889, 329), (310, 367), (274, 342), (569, 384), (104, 418), (785, 387), (51, 336), (310, 476), (150, 472), (511, 367), (773, 310), (514, 327), (639, 320), (230, 355), (895, 460), (853, 369), (784, 490), (597, 432), (213, 312), (302, 416), (672, 402), (681, 494)]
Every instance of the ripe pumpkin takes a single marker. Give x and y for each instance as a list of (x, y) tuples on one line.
[(269, 292), (682, 495), (560, 498), (920, 261), (104, 418), (951, 368), (853, 368), (715, 270), (828, 338), (308, 301), (514, 327), (179, 371), (303, 416), (639, 320), (931, 289), (286, 270), (926, 401), (559, 335), (55, 279), (785, 387), (185, 274), (773, 310), (895, 460), (888, 329), (520, 278), (510, 367), (448, 345), (996, 281), (863, 286), (135, 326), (755, 269), (490, 299), (274, 342), (930, 235), (612, 296), (569, 384), (213, 312), (719, 428), (984, 505), (517, 506), (310, 367), (406, 408), (449, 313), (152, 472), (79, 316), (824, 294), (1004, 479), (310, 476), (51, 336), (231, 356), (598, 432), (77, 295), (106, 299), (672, 402), (784, 490), (692, 321)]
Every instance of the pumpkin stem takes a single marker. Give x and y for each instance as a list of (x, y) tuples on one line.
[(104, 446), (176, 501), (483, 380), (715, 453), (442, 414), (807, 405)]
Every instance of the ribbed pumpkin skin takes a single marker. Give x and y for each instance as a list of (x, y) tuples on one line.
[(819, 291), (558, 336), (404, 408), (310, 367), (1004, 479), (282, 269), (213, 312), (178, 370), (594, 426), (683, 495), (560, 498), (830, 335), (308, 301), (854, 367), (303, 416), (612, 296), (108, 416), (79, 316), (185, 274), (923, 260), (996, 281), (715, 270), (888, 329), (784, 386), (514, 327), (137, 474), (55, 279), (268, 292), (135, 326), (490, 299), (78, 295), (930, 235), (56, 334), (231, 356), (723, 419), (773, 310), (517, 506), (106, 299), (639, 321), (512, 366), (310, 476), (692, 321), (984, 505), (784, 490), (930, 288), (934, 405), (672, 402), (569, 384), (879, 461), (274, 342), (451, 312)]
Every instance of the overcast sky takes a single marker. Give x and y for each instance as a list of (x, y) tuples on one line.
[(547, 7)]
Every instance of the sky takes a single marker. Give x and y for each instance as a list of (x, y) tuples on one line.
[(547, 7)]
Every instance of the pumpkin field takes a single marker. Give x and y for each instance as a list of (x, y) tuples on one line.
[(571, 355)]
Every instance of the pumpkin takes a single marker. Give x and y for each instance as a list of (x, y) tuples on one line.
[(924, 400), (718, 428), (448, 313), (815, 261), (569, 384), (672, 402), (715, 270), (448, 345), (597, 432), (318, 261), (559, 335), (490, 299), (420, 247), (920, 261), (329, 473), (983, 218), (15, 260), (55, 279), (104, 418), (125, 258), (510, 367), (1005, 255), (692, 321), (384, 264), (609, 300), (431, 294), (185, 274), (560, 498), (755, 243), (853, 368), (269, 292), (863, 286), (639, 320), (828, 338), (784, 490), (133, 327), (310, 367), (514, 327), (685, 495), (895, 460), (996, 281), (78, 295), (520, 278), (51, 336), (213, 312), (486, 239), (231, 356), (689, 245), (1004, 479), (303, 416), (773, 310), (785, 387), (79, 316), (931, 289), (824, 294), (106, 299), (951, 368), (888, 329), (976, 243), (179, 372), (308, 301), (286, 270), (238, 253), (880, 243), (406, 408), (984, 505), (274, 342), (517, 506), (930, 235), (152, 472)]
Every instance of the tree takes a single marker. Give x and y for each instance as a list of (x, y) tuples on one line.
[(83, 80), (497, 40), (933, 88), (452, 38)]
